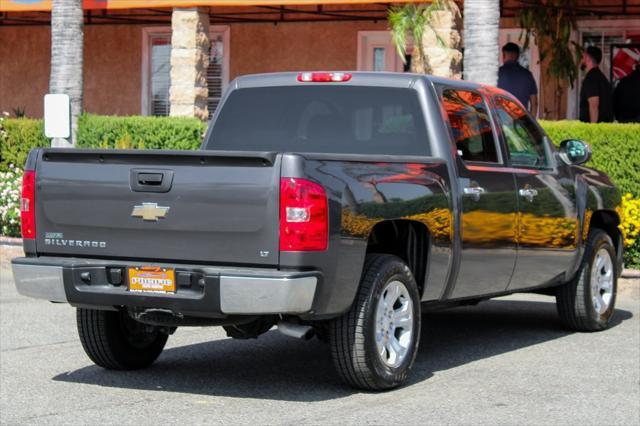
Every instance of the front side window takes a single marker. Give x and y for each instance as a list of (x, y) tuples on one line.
[(525, 141), (470, 126)]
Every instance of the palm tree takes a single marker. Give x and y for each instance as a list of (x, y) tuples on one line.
[(433, 30), (552, 24), (481, 32), (410, 19), (67, 23)]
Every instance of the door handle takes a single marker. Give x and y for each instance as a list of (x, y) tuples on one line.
[(474, 192), (528, 193), (151, 180)]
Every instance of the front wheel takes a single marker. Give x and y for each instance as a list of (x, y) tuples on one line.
[(375, 343), (115, 341), (587, 302)]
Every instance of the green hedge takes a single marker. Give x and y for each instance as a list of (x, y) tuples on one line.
[(21, 136), (616, 148), (95, 131)]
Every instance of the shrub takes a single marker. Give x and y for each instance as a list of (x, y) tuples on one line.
[(3, 132), (95, 131), (22, 135), (630, 227), (616, 148), (10, 189)]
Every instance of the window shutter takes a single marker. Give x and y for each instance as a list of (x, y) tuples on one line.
[(160, 74), (214, 72)]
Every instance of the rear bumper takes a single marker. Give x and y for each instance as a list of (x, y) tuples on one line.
[(201, 290), (40, 282)]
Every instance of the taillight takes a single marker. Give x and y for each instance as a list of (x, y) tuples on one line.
[(27, 205), (304, 217), (323, 77)]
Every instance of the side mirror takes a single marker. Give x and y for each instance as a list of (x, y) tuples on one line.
[(574, 151)]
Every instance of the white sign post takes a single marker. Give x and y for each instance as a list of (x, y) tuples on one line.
[(57, 119)]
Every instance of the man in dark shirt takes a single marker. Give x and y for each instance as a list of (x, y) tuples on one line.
[(626, 98), (596, 104), (516, 79)]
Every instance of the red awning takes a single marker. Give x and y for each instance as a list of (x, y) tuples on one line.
[(45, 5)]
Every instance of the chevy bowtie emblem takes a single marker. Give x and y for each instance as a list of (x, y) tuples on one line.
[(149, 211)]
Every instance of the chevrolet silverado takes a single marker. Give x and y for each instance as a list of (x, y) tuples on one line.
[(341, 205)]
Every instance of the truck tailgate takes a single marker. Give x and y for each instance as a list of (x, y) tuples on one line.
[(159, 205)]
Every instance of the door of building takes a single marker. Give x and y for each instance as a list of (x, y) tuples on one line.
[(376, 52), (530, 58)]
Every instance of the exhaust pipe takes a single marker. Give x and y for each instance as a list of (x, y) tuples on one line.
[(298, 331)]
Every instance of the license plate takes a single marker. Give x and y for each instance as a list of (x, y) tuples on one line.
[(152, 279)]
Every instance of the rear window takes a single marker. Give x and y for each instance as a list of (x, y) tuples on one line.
[(322, 118)]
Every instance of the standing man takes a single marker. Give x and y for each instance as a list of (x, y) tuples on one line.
[(516, 79), (596, 104), (626, 97)]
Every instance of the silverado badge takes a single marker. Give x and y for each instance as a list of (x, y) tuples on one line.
[(149, 211)]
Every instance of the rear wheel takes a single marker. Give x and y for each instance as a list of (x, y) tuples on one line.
[(375, 343), (588, 301), (114, 340)]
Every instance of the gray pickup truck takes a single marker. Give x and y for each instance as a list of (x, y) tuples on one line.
[(337, 204)]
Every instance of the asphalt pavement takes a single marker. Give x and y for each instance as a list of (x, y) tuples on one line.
[(505, 361)]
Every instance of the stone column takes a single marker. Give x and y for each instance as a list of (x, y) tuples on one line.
[(443, 53), (189, 61)]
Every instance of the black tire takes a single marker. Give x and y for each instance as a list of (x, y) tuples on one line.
[(115, 341), (574, 299), (352, 337)]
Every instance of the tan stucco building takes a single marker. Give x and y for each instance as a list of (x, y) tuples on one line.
[(127, 57)]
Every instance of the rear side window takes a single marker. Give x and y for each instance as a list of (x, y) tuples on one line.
[(470, 126), (322, 118)]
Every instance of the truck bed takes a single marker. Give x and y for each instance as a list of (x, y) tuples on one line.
[(207, 207)]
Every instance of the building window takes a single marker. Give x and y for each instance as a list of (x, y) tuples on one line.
[(215, 73), (159, 67), (603, 40), (156, 66), (376, 52), (378, 59), (603, 34)]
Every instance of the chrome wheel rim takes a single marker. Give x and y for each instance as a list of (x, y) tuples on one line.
[(394, 324), (602, 281)]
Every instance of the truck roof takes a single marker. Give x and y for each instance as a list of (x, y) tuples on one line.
[(359, 78)]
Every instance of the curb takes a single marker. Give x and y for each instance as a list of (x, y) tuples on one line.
[(9, 241), (630, 273)]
